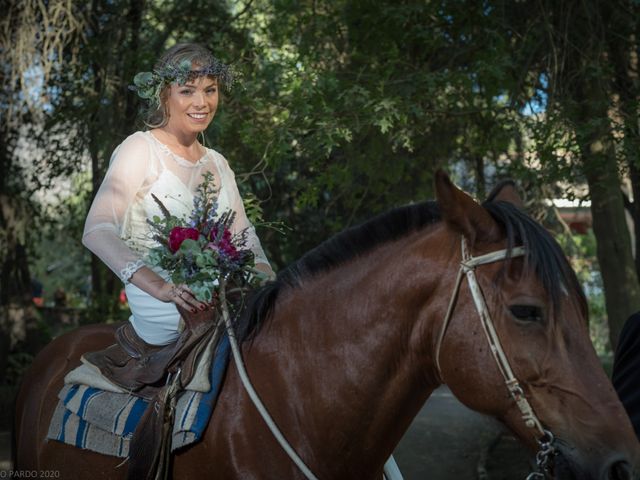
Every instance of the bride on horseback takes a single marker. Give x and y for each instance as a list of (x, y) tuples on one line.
[(168, 161)]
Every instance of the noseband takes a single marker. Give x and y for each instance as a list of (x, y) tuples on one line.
[(467, 266)]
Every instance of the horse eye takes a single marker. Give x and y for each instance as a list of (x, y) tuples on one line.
[(527, 313)]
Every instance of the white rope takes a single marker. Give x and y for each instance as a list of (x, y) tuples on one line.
[(447, 318), (467, 263), (472, 262), (391, 470), (500, 357), (252, 393), (467, 266)]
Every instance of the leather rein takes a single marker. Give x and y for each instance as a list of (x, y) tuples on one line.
[(468, 265)]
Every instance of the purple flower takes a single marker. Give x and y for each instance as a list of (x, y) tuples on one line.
[(224, 245)]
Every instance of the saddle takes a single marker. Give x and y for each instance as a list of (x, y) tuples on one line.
[(141, 368), (157, 374)]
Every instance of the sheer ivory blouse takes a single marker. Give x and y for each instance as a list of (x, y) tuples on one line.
[(116, 229)]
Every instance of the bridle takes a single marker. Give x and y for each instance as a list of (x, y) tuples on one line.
[(468, 265)]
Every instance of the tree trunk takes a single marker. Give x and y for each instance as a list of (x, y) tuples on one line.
[(15, 278), (481, 183), (622, 51), (617, 267), (96, 178), (599, 164), (120, 120), (582, 84), (634, 210), (136, 9)]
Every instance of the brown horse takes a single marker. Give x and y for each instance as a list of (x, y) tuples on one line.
[(345, 354)]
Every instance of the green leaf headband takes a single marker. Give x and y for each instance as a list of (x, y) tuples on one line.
[(148, 85)]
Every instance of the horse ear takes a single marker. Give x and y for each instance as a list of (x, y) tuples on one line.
[(463, 214), (506, 191)]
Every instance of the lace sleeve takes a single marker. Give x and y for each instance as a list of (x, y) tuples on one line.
[(241, 221), (129, 269), (103, 228)]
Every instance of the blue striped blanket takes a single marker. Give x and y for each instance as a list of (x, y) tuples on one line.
[(104, 422)]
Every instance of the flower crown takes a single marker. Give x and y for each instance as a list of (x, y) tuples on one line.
[(149, 85)]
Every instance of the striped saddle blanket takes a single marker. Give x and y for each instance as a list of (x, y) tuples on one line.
[(104, 422)]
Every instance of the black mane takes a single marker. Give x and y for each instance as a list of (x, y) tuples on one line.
[(543, 254), (340, 248)]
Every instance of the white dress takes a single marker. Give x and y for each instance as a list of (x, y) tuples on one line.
[(116, 229)]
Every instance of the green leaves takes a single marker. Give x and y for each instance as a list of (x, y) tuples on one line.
[(190, 246), (145, 84), (202, 292), (386, 114), (346, 108)]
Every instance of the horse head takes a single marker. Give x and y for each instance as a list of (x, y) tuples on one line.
[(539, 313)]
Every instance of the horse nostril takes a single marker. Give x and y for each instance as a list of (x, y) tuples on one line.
[(619, 470)]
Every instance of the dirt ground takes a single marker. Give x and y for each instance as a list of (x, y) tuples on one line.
[(448, 441)]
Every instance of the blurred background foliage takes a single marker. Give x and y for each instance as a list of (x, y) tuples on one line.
[(344, 109)]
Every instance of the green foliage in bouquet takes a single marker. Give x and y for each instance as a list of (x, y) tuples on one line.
[(201, 251)]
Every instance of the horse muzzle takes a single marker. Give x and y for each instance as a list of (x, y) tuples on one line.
[(615, 466)]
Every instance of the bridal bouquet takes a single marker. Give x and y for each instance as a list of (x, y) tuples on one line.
[(202, 253)]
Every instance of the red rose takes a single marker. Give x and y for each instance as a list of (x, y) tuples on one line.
[(179, 235)]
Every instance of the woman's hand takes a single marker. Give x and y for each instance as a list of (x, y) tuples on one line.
[(182, 296)]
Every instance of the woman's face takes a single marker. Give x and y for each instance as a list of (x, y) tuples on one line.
[(192, 106)]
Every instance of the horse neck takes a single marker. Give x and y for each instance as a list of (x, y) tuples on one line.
[(351, 349)]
